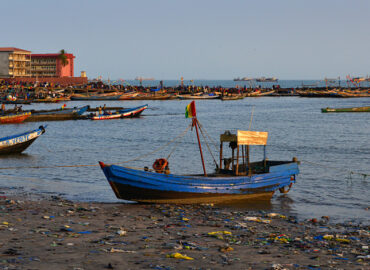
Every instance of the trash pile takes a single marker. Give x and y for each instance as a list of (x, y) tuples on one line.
[(54, 232)]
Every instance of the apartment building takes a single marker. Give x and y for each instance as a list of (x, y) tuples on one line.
[(14, 63), (50, 65)]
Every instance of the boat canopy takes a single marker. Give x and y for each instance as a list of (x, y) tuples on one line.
[(244, 137)]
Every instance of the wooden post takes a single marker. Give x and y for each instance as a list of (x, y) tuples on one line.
[(195, 123), (243, 156), (237, 161), (232, 159), (221, 145), (249, 162)]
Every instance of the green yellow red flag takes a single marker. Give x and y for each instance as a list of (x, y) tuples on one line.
[(190, 111)]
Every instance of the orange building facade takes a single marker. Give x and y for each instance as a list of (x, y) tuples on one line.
[(17, 65), (50, 65)]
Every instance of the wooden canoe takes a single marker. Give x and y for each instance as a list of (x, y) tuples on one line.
[(16, 144), (338, 110), (14, 118)]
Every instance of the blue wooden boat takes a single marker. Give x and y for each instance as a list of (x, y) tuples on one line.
[(235, 178), (57, 114), (145, 186), (125, 113), (16, 144)]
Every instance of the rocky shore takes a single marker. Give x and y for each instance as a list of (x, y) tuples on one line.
[(54, 233)]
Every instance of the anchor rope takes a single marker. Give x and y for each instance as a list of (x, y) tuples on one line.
[(175, 146), (365, 175), (209, 137), (209, 149), (92, 165)]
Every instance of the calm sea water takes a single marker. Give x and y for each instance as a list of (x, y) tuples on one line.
[(231, 83), (335, 143)]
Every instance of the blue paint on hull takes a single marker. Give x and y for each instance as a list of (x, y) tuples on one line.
[(121, 178)]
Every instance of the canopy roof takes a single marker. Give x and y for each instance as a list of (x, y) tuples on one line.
[(246, 137)]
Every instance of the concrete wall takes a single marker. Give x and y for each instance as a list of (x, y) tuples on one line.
[(4, 64)]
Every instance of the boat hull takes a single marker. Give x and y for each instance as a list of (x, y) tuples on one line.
[(126, 113), (338, 110), (57, 115), (127, 192), (98, 97), (145, 186), (198, 97), (14, 119), (18, 143)]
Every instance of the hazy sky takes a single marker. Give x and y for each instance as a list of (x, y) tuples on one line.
[(196, 39)]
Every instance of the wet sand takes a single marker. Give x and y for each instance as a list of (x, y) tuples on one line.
[(54, 233)]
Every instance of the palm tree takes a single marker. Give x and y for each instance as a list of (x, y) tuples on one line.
[(63, 58)]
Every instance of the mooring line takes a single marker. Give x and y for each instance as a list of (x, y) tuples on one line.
[(47, 167), (365, 175)]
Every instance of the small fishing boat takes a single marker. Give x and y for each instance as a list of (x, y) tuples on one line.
[(18, 101), (128, 96), (200, 96), (114, 96), (14, 118), (353, 109), (49, 99), (125, 113), (57, 114), (16, 144), (232, 97), (151, 96), (235, 178), (260, 93)]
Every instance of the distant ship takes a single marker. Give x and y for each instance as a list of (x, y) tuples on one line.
[(144, 79), (243, 79), (263, 79)]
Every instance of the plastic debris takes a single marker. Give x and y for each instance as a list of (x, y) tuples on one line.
[(226, 249), (117, 250), (179, 256), (121, 232), (257, 219), (220, 232), (341, 240), (328, 237), (273, 215)]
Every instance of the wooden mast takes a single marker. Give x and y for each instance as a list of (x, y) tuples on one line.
[(195, 123)]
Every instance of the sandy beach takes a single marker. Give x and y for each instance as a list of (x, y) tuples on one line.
[(54, 233)]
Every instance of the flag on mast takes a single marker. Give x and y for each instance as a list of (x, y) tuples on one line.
[(190, 111)]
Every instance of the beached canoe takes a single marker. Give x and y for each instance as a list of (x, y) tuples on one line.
[(260, 93), (18, 101), (338, 110), (145, 186), (128, 96), (50, 99), (152, 97), (14, 118), (125, 113), (96, 97), (16, 144), (57, 114), (203, 96), (232, 181), (232, 97)]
